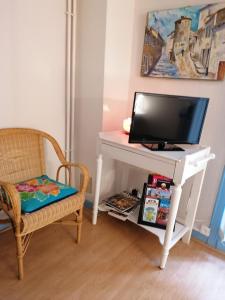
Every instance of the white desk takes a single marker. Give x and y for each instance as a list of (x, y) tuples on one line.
[(177, 165)]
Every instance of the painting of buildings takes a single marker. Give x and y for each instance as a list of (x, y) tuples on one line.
[(187, 42)]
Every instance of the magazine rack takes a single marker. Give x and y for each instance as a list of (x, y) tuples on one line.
[(177, 165)]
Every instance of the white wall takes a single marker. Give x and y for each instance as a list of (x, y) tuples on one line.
[(117, 67), (91, 24), (33, 66), (6, 73), (212, 134)]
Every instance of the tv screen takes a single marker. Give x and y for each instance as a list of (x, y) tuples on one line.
[(167, 119)]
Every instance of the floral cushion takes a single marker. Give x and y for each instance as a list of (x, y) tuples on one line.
[(42, 191)]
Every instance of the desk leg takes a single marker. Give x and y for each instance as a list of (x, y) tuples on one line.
[(97, 189), (175, 199), (193, 204)]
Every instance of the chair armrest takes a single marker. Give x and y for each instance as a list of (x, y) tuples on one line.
[(14, 204), (83, 169)]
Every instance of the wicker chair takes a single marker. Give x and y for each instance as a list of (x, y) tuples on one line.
[(22, 158)]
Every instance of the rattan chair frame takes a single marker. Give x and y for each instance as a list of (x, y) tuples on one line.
[(12, 162)]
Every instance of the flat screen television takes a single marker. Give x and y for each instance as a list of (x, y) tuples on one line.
[(159, 121)]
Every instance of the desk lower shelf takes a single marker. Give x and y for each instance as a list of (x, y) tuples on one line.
[(178, 233)]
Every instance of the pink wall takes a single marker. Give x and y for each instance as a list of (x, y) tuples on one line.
[(118, 53), (212, 134)]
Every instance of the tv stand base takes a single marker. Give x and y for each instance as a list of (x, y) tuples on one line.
[(162, 147)]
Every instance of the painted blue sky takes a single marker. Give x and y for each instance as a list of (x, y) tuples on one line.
[(163, 20)]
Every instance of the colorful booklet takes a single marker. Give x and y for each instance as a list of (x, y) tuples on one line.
[(159, 193), (155, 180), (150, 210), (155, 206)]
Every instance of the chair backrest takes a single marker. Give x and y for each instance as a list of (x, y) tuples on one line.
[(21, 154)]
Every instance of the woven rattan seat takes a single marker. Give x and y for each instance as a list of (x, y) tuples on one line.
[(22, 156), (50, 214)]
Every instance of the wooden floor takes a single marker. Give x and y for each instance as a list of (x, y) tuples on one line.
[(115, 260)]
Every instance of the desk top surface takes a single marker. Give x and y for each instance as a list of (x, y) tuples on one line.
[(120, 140)]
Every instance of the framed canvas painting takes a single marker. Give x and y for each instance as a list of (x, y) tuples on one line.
[(186, 42)]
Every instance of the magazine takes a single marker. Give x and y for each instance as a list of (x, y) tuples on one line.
[(123, 202)]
